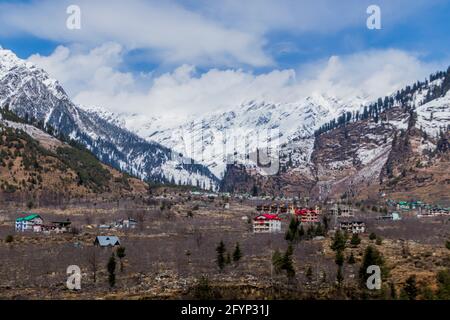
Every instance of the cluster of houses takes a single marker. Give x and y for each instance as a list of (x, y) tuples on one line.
[(269, 217), (423, 210), (35, 223)]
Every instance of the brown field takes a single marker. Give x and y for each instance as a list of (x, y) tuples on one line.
[(168, 252)]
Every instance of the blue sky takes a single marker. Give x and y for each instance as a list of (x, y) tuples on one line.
[(153, 45)]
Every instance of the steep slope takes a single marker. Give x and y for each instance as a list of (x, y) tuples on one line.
[(30, 93), (221, 138), (397, 146), (35, 165)]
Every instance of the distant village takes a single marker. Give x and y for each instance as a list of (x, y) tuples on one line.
[(267, 217)]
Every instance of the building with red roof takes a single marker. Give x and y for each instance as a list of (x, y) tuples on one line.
[(308, 215), (267, 223)]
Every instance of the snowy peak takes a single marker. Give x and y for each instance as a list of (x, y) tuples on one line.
[(211, 139), (34, 96)]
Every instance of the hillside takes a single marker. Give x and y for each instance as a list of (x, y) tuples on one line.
[(34, 96), (36, 166), (397, 146)]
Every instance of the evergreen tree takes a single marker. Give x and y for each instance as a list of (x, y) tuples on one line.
[(339, 259), (228, 258), (309, 273), (338, 243), (410, 290), (292, 234), (220, 255), (355, 240), (393, 291), (319, 230), (301, 232), (351, 259), (277, 261), (371, 257), (288, 264), (111, 267), (237, 254), (283, 262), (443, 282)]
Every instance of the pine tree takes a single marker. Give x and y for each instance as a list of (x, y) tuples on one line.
[(283, 262), (410, 290), (338, 241), (301, 232), (393, 291), (288, 264), (443, 282), (309, 273), (355, 240), (228, 258), (237, 254), (277, 261), (111, 266), (339, 259), (220, 255), (371, 257), (351, 259), (292, 234)]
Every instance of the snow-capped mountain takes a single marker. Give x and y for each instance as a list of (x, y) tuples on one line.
[(33, 95), (398, 145), (218, 139)]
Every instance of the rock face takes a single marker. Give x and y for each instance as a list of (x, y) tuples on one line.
[(30, 93), (401, 150)]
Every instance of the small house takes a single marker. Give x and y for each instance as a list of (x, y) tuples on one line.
[(342, 210), (61, 226), (267, 223), (353, 226), (308, 215), (394, 216), (27, 223), (434, 212), (107, 241)]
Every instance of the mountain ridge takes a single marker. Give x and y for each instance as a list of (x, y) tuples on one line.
[(34, 96)]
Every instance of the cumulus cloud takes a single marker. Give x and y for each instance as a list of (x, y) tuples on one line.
[(93, 78)]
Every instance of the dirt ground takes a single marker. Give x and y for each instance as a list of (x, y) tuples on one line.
[(174, 245)]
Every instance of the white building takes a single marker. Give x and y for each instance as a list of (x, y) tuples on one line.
[(353, 226), (28, 223), (267, 223)]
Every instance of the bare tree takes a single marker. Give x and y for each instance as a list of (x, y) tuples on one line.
[(92, 257)]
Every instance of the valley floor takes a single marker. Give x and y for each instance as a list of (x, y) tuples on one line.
[(171, 254)]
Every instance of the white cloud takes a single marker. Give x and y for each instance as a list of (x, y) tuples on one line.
[(93, 78), (171, 33), (201, 32)]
